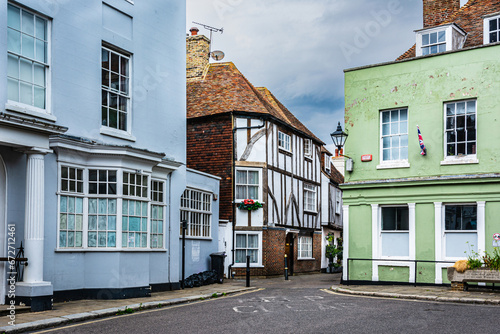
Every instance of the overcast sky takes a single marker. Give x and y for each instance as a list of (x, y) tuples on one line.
[(298, 49)]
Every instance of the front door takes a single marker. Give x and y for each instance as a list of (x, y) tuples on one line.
[(289, 252)]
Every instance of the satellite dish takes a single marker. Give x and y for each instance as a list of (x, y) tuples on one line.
[(217, 55)]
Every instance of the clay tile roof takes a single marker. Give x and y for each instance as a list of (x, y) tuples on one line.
[(225, 89), (324, 150), (470, 18)]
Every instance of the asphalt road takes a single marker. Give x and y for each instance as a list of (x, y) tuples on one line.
[(295, 307)]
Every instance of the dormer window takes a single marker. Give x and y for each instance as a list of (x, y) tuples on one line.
[(491, 31), (439, 39), (433, 42)]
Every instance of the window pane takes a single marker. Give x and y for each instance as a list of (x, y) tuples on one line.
[(385, 129), (28, 23), (39, 75), (386, 142), (441, 36), (240, 256), (253, 177), (41, 28), (12, 90), (388, 219), (28, 46), (25, 93), (241, 241), (253, 192), (403, 115), (433, 38), (241, 177), (241, 192), (13, 17), (460, 108), (39, 97), (493, 37), (253, 241), (471, 107), (25, 70), (425, 39), (404, 153), (493, 24), (434, 49), (13, 66), (386, 117), (14, 41)]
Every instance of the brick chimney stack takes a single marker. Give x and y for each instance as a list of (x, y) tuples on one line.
[(197, 57), (437, 11)]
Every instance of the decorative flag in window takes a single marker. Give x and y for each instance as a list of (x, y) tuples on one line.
[(421, 142)]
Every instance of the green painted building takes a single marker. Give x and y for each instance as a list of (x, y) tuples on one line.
[(400, 205)]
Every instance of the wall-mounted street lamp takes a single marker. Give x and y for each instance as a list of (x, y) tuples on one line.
[(339, 137)]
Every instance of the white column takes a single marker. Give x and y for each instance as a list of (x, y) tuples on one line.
[(438, 240), (34, 217), (411, 240), (376, 253), (345, 223)]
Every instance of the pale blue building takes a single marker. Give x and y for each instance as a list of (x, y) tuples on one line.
[(93, 148)]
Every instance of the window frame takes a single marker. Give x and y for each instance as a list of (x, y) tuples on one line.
[(448, 232), (313, 190), (118, 198), (328, 162), (486, 28), (204, 212), (393, 163), (308, 148), (259, 249), (309, 252), (107, 129), (284, 141), (462, 158), (22, 107), (259, 184), (338, 201), (158, 201)]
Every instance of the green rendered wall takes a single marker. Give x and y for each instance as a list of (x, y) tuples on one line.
[(423, 85), (393, 274), (424, 242), (360, 242)]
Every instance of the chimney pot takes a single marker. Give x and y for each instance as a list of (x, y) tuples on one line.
[(194, 31)]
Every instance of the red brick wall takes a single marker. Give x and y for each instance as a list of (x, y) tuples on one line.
[(273, 244), (304, 266), (436, 11), (209, 149)]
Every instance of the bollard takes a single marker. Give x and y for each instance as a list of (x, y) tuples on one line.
[(248, 271), (286, 268)]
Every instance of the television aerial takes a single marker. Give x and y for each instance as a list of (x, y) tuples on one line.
[(216, 55)]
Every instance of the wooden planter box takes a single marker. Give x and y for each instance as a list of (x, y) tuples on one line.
[(459, 280)]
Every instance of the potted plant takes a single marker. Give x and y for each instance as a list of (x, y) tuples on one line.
[(334, 254)]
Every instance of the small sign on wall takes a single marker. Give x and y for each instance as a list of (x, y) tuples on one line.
[(496, 240), (366, 157)]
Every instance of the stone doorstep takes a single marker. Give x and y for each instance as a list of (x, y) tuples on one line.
[(66, 319)]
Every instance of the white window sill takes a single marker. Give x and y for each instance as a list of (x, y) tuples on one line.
[(306, 259), (29, 110), (244, 265), (463, 160), (394, 164), (117, 133), (196, 238), (84, 250)]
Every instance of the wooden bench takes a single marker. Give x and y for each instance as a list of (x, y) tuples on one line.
[(459, 280)]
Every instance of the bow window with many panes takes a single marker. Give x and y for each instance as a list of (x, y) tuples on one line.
[(109, 209)]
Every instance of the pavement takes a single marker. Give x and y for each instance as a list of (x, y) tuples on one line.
[(81, 310)]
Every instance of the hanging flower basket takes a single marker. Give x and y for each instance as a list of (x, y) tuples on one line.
[(249, 204)]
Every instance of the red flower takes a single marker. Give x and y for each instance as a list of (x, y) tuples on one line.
[(249, 202)]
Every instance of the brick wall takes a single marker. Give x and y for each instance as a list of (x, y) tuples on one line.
[(209, 149), (304, 266), (273, 244), (436, 11), (274, 251), (197, 58)]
